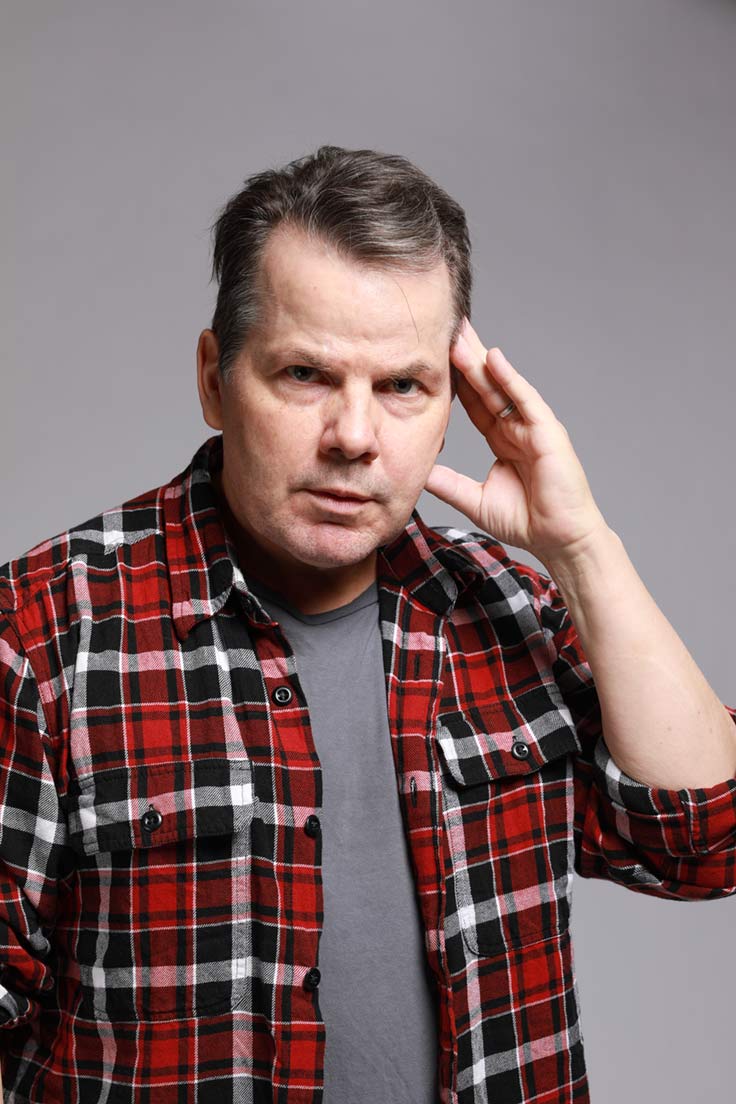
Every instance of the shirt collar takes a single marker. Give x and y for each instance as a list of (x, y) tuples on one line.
[(203, 565)]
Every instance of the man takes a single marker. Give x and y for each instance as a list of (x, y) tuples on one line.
[(293, 786)]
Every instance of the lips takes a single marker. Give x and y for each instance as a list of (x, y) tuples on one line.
[(336, 492), (335, 502)]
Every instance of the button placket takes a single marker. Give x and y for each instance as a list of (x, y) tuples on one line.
[(312, 979)]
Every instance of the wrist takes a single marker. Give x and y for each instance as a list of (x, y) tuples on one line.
[(591, 559)]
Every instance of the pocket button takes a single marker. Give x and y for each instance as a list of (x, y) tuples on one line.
[(151, 819), (520, 750)]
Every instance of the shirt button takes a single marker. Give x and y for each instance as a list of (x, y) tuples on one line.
[(312, 826), (520, 750), (312, 978), (282, 695), (151, 819)]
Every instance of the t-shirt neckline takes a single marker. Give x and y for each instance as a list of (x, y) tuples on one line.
[(368, 597)]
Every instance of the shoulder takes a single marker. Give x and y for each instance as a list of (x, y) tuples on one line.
[(81, 575), (103, 539), (488, 558), (524, 596)]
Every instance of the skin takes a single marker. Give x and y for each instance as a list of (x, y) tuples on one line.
[(290, 429), (287, 431), (536, 495), (663, 723)]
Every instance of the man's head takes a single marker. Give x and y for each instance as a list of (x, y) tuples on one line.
[(338, 275)]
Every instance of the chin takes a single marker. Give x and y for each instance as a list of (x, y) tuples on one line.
[(334, 546)]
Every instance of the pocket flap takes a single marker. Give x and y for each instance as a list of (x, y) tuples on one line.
[(147, 805), (514, 736)]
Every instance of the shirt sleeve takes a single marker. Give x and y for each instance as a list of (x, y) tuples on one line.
[(32, 837), (669, 843)]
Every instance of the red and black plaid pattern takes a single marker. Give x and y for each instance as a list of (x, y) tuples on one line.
[(160, 899)]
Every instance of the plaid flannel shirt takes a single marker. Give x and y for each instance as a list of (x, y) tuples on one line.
[(161, 897)]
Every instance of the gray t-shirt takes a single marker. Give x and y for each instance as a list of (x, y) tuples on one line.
[(376, 994)]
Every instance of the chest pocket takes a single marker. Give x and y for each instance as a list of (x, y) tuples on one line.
[(162, 921), (509, 807)]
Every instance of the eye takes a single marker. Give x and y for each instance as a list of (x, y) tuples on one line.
[(300, 373), (403, 384)]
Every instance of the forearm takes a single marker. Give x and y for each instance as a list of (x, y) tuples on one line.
[(662, 722)]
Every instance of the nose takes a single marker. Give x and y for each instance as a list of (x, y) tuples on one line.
[(350, 430)]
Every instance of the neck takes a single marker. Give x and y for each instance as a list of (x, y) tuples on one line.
[(308, 588)]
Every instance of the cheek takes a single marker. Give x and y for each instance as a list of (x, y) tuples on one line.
[(268, 440), (267, 450), (412, 462)]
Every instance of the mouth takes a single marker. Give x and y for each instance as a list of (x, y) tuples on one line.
[(333, 498), (337, 492)]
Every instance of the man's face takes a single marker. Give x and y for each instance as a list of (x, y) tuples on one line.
[(327, 401)]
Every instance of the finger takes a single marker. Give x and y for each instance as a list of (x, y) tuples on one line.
[(489, 371), (492, 402), (455, 489), (529, 403), (469, 359), (479, 414), (485, 420), (511, 446)]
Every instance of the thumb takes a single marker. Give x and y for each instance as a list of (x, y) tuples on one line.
[(456, 489)]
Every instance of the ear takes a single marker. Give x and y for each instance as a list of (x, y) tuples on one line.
[(453, 381), (209, 379)]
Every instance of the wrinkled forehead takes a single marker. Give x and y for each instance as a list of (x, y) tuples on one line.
[(307, 291)]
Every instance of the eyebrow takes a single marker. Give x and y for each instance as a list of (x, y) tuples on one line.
[(298, 355)]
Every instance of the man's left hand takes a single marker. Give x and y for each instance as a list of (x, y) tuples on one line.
[(536, 495)]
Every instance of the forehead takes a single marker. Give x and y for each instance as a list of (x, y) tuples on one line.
[(311, 295)]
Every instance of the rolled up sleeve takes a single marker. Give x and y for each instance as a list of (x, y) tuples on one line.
[(33, 845), (695, 828), (678, 844)]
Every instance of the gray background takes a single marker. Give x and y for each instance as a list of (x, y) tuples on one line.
[(592, 144)]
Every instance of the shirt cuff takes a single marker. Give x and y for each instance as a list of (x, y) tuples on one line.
[(13, 1010), (698, 821)]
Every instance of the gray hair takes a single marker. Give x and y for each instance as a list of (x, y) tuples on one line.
[(374, 208)]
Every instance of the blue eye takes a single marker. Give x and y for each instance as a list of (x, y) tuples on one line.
[(299, 368), (398, 381), (400, 385)]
